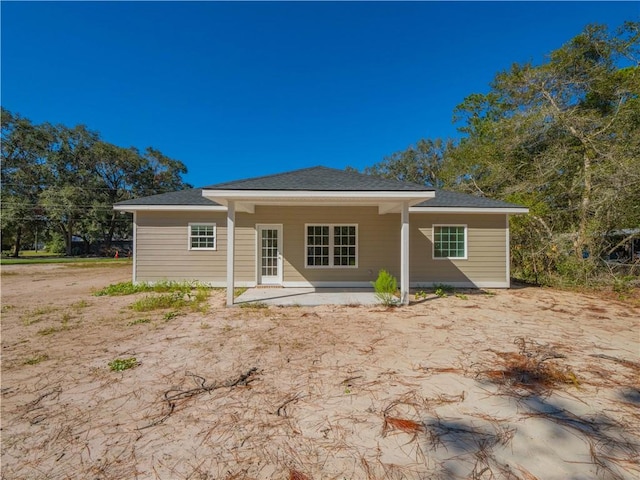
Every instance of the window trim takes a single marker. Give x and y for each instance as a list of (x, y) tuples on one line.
[(190, 235), (433, 241), (331, 245)]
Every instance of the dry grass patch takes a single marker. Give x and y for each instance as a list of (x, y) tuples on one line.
[(534, 367), (36, 360)]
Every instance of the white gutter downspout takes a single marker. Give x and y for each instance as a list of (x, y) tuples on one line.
[(404, 255), (231, 233)]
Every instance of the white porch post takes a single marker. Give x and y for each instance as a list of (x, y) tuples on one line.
[(404, 255), (231, 233)]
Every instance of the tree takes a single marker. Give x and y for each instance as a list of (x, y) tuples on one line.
[(24, 151), (423, 163), (564, 138), (124, 173), (71, 180), (68, 179)]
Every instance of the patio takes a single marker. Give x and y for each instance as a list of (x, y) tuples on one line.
[(308, 296)]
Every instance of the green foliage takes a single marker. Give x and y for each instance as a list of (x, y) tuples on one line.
[(175, 295), (423, 163), (158, 302), (561, 138), (386, 287), (123, 288), (462, 296), (238, 291), (442, 290), (64, 180), (121, 364), (56, 245), (623, 285), (573, 272), (421, 295), (130, 288), (75, 262), (139, 321), (170, 315)]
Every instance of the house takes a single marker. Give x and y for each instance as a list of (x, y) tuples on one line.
[(321, 227)]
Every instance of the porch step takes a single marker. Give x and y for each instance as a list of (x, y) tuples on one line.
[(268, 286)]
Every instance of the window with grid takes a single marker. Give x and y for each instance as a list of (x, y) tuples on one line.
[(344, 246), (331, 246), (449, 241), (202, 236), (318, 246)]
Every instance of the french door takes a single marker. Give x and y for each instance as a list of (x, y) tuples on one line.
[(269, 254)]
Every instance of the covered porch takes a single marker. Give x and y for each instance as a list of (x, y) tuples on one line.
[(315, 188), (307, 296)]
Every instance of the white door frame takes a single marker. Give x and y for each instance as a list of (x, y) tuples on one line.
[(277, 280)]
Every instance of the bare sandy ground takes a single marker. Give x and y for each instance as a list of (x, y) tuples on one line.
[(521, 384)]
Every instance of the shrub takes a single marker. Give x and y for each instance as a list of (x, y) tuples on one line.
[(57, 244), (167, 300), (442, 290), (120, 364), (385, 288)]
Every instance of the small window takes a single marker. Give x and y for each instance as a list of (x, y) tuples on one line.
[(450, 241), (202, 236), (332, 246)]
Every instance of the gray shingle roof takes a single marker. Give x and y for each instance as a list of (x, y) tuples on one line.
[(193, 196), (318, 179), (445, 198), (321, 179)]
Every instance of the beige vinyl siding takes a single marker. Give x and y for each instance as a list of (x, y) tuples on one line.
[(162, 248), (486, 250), (378, 242), (162, 251)]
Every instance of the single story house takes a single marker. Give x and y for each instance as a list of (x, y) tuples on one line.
[(320, 227)]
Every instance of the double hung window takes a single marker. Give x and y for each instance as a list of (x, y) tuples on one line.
[(202, 236), (331, 246)]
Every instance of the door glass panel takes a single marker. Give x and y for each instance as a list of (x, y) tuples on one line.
[(269, 244)]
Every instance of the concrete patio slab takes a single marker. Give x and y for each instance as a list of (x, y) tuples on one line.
[(308, 296)]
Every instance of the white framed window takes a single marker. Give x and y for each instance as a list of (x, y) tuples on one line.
[(331, 246), (202, 236), (450, 242)]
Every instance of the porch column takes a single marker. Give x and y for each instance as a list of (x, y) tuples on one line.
[(231, 233), (404, 255)]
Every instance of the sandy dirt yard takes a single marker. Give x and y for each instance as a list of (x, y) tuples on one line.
[(525, 384)]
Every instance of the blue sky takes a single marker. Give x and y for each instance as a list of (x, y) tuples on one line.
[(242, 89)]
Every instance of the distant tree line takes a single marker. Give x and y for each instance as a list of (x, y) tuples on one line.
[(61, 182), (562, 138)]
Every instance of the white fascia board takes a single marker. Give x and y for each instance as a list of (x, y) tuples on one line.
[(509, 210), (170, 208)]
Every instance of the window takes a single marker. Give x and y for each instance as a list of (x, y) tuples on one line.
[(450, 241), (202, 236), (332, 246)]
